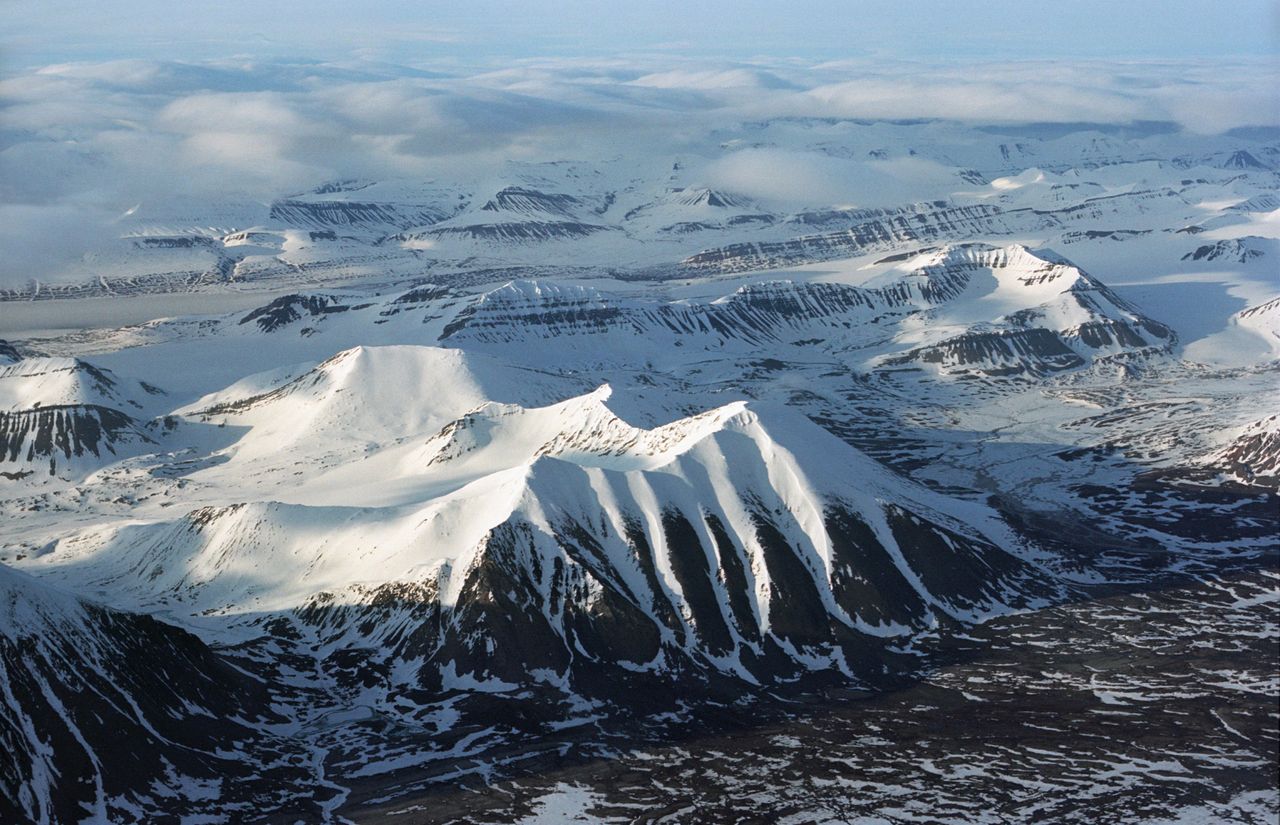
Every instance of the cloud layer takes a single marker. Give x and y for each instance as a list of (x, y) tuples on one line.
[(82, 143)]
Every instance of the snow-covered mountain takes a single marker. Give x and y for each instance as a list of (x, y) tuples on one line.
[(410, 483), (970, 308), (743, 540), (667, 216), (106, 713), (66, 415), (1016, 311)]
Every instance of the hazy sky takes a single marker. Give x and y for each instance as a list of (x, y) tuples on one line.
[(39, 32)]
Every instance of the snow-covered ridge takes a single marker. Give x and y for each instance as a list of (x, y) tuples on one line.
[(1264, 318), (368, 396), (971, 307), (1253, 455), (29, 608), (1234, 250), (67, 416), (700, 531), (583, 430), (46, 382)]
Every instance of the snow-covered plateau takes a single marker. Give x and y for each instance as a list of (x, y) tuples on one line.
[(958, 503)]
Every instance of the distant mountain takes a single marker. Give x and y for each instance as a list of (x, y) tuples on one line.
[(970, 308), (1242, 159), (1235, 250), (658, 217), (516, 214), (1048, 316)]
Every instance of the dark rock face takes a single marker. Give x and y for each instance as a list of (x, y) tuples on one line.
[(961, 574), (528, 610), (1099, 334), (1242, 159), (58, 434), (551, 314), (867, 584), (1237, 250), (176, 242), (102, 711), (322, 215), (1002, 352), (868, 234), (520, 231), (712, 198), (1109, 234), (692, 570), (525, 201), (289, 308)]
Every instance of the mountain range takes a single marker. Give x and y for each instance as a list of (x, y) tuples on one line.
[(480, 471)]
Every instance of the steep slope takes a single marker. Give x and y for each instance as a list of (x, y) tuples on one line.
[(1024, 312), (1253, 455), (744, 544), (966, 309), (364, 398), (111, 716), (69, 416), (516, 214)]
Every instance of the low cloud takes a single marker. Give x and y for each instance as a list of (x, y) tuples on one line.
[(44, 242), (1204, 97), (82, 143), (781, 176), (793, 179)]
